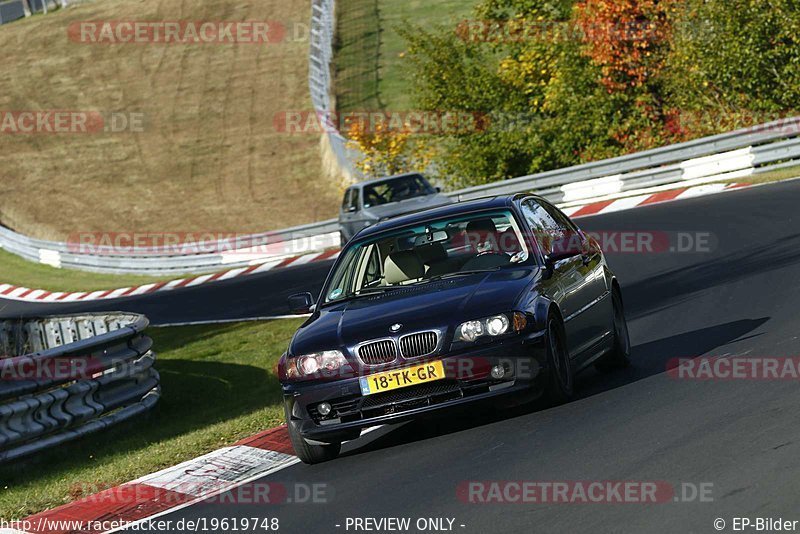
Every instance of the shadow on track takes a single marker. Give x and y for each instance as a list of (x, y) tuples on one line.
[(652, 358), (675, 286), (648, 359)]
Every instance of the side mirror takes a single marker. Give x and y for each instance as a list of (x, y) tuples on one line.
[(438, 189), (301, 303), (352, 209)]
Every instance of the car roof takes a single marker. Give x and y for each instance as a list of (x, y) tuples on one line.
[(385, 178), (448, 210)]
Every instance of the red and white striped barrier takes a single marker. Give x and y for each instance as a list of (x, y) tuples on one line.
[(8, 291)]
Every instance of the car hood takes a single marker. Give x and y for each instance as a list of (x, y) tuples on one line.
[(411, 204), (440, 304)]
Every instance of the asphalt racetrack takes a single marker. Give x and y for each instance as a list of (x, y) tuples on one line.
[(738, 296)]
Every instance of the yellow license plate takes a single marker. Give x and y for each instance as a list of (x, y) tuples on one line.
[(400, 378)]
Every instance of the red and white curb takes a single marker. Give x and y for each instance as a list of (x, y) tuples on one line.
[(8, 291), (619, 204), (11, 292), (210, 478), (151, 496)]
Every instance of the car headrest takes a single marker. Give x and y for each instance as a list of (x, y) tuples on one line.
[(432, 253), (402, 266), (482, 226), (509, 242)]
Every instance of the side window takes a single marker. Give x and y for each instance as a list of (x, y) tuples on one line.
[(346, 201), (372, 274), (354, 200), (369, 268), (559, 216), (546, 229)]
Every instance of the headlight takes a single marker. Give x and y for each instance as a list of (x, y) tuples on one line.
[(493, 326), (326, 361), (470, 331), (497, 325)]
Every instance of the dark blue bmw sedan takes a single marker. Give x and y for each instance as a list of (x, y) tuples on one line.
[(489, 297)]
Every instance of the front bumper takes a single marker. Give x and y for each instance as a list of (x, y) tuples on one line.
[(523, 358)]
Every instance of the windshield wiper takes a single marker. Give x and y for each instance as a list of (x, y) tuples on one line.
[(459, 273), (367, 292), (377, 290)]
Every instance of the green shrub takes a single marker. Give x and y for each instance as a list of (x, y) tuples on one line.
[(566, 82)]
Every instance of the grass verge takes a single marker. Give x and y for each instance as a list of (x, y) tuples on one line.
[(770, 176), (218, 386), (23, 273), (209, 156)]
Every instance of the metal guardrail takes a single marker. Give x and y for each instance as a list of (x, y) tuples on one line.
[(707, 157), (730, 155), (66, 377), (320, 84), (177, 259), (11, 11)]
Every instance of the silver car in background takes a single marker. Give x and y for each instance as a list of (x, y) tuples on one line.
[(366, 203)]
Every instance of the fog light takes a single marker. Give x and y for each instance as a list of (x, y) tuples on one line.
[(324, 409), (498, 372)]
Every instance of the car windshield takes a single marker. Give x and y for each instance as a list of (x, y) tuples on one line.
[(448, 247), (396, 189)]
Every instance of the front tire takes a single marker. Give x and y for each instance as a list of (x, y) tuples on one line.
[(560, 384), (307, 452), (620, 355)]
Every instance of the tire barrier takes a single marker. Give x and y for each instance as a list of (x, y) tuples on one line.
[(65, 377)]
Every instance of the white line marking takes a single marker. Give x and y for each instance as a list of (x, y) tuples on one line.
[(225, 321)]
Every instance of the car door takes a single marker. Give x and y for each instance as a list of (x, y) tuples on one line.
[(598, 312), (573, 279)]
